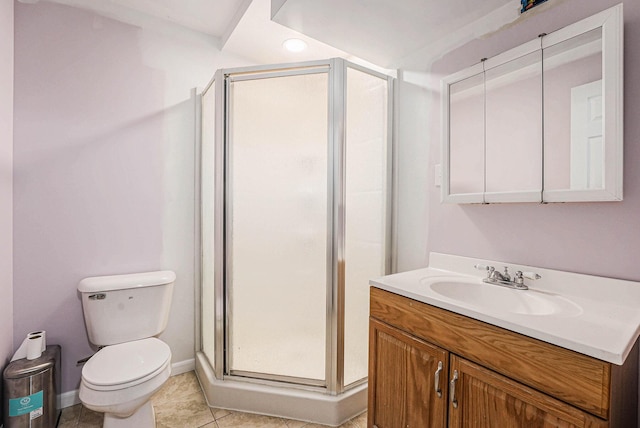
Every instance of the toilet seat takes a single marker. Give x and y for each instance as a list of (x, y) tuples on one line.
[(126, 364)]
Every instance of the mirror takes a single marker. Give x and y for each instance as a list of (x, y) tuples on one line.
[(583, 110), (466, 138), (514, 134), (553, 105), (573, 113)]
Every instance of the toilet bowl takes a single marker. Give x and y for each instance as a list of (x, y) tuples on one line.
[(120, 379), (123, 314)]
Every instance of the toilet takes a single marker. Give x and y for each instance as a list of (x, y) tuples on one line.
[(123, 314)]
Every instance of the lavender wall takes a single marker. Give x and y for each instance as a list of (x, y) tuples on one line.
[(6, 186), (103, 166), (87, 167), (592, 238)]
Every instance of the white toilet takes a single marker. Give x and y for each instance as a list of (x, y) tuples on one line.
[(123, 313)]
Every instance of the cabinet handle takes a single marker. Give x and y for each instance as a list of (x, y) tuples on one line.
[(436, 384), (454, 400)]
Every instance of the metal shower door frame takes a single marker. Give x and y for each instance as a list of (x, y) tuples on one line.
[(336, 146)]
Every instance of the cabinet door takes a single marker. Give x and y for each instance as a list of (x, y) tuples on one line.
[(479, 397), (513, 125), (463, 154), (403, 374)]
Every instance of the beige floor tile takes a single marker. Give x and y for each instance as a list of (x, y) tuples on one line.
[(190, 412), (181, 404), (219, 413), (90, 419), (359, 421), (295, 424), (247, 420), (70, 416), (176, 388)]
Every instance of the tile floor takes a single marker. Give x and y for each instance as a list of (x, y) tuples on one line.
[(181, 404)]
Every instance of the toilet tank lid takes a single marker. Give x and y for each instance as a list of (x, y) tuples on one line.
[(119, 282)]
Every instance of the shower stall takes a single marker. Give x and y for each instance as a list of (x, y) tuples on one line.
[(295, 188)]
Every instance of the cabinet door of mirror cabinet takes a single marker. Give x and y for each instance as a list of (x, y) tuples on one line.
[(465, 166), (583, 110), (573, 132), (513, 96)]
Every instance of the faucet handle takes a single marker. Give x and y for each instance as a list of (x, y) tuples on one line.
[(531, 275), (484, 267), (489, 269), (518, 279)]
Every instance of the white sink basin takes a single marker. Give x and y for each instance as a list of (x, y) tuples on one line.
[(592, 315), (494, 298)]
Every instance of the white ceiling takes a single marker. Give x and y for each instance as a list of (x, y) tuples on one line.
[(212, 17), (389, 33), (258, 38), (396, 33), (241, 27)]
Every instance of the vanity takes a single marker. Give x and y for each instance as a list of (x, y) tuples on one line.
[(448, 350)]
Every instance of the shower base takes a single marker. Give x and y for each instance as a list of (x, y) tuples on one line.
[(285, 402)]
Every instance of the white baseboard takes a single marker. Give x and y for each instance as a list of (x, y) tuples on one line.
[(71, 398), (183, 367)]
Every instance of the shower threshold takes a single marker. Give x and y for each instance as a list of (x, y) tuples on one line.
[(280, 401)]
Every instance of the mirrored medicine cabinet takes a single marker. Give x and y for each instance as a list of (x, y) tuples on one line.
[(542, 122)]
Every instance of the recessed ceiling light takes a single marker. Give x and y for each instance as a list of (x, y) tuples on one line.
[(294, 45)]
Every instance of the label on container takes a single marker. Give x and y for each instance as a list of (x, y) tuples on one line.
[(23, 405), (36, 413)]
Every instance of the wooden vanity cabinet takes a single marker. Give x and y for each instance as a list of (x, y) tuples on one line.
[(486, 399), (407, 380), (490, 377)]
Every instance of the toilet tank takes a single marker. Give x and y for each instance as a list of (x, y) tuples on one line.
[(122, 308)]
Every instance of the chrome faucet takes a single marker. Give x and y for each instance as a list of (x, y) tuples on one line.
[(504, 279), (494, 275)]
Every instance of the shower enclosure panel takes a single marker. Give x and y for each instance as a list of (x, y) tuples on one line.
[(365, 202)]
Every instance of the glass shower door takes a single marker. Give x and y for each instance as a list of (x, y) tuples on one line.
[(277, 223)]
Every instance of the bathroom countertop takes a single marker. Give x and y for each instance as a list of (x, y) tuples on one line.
[(604, 321)]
